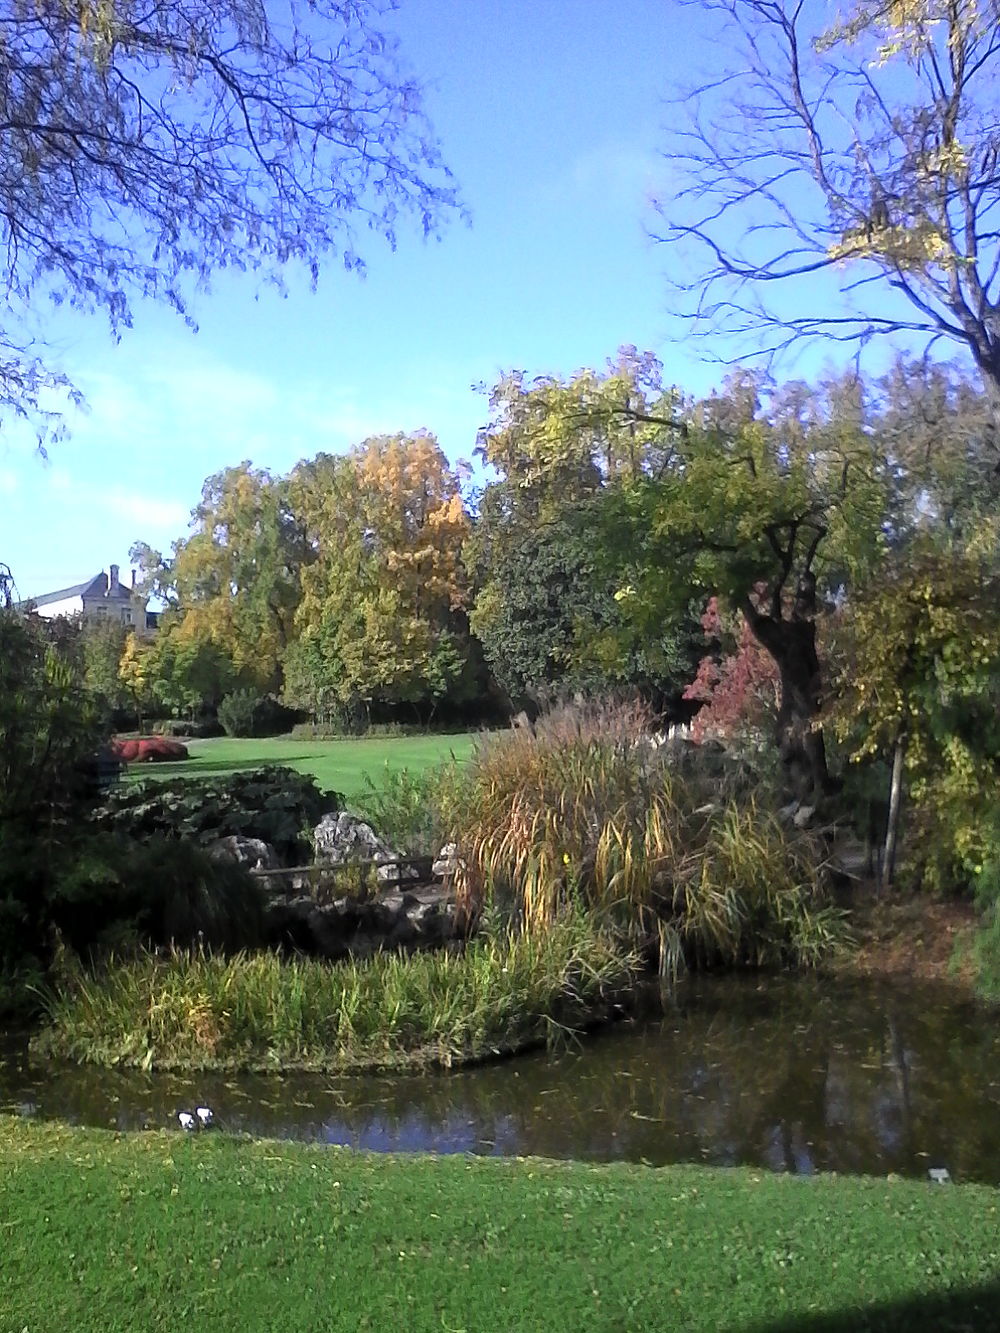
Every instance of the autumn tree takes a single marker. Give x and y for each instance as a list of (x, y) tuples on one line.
[(381, 618), (235, 579), (134, 673), (737, 681), (865, 150), (146, 146)]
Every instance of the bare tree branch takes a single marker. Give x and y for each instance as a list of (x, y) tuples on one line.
[(868, 153)]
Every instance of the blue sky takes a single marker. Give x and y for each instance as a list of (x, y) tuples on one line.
[(550, 114)]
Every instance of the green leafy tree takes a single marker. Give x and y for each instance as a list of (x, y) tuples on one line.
[(102, 643), (919, 683), (188, 675), (50, 729), (768, 505), (545, 607)]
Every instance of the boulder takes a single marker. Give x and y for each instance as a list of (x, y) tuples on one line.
[(252, 853), (446, 861), (344, 839)]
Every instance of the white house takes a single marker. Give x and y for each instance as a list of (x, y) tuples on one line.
[(104, 597)]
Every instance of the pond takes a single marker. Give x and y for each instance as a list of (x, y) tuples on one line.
[(790, 1074)]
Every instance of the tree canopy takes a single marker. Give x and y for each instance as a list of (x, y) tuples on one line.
[(144, 146)]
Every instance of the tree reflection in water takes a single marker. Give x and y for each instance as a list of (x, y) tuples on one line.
[(793, 1074)]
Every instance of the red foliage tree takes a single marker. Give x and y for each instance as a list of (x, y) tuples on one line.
[(739, 688)]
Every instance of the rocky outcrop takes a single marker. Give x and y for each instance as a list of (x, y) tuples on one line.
[(343, 839), (350, 927)]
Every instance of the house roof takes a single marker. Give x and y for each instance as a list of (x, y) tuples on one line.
[(93, 587)]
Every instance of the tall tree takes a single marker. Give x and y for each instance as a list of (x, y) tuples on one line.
[(235, 579), (381, 618), (146, 145), (767, 503), (545, 608), (867, 149)]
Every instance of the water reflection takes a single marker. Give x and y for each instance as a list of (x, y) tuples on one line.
[(789, 1074)]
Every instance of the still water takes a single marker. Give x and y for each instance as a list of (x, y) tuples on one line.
[(790, 1074)]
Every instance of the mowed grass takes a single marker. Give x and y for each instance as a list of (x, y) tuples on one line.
[(159, 1231), (337, 765)]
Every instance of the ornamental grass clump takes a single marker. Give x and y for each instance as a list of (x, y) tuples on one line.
[(580, 811)]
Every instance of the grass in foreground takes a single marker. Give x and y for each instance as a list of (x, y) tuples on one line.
[(103, 1234), (337, 765), (194, 1010)]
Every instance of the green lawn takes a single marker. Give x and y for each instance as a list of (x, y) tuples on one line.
[(338, 765), (105, 1233)]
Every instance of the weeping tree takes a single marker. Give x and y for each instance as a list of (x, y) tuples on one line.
[(144, 146), (842, 179)]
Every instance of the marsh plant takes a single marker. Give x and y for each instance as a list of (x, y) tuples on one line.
[(194, 1009), (579, 811)]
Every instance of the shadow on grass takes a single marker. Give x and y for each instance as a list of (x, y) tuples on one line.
[(197, 767), (963, 1310)]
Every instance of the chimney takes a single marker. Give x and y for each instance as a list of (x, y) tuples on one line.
[(113, 581)]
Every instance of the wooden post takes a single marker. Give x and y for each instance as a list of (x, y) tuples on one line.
[(892, 823)]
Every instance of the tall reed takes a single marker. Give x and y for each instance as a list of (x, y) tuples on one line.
[(579, 810)]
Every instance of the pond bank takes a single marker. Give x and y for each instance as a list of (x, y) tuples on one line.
[(796, 1074), (911, 937), (103, 1234)]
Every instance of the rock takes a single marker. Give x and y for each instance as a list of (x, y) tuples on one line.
[(446, 862), (343, 839), (788, 812), (803, 816), (252, 853)]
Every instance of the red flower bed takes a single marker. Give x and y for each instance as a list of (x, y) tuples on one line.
[(148, 750)]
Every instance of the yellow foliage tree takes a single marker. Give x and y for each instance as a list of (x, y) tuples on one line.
[(382, 612)]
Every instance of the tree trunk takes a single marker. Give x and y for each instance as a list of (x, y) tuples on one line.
[(892, 823), (792, 645)]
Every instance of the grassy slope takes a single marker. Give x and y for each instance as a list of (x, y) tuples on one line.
[(339, 765), (156, 1231)]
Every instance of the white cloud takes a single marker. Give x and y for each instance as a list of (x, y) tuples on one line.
[(9, 481)]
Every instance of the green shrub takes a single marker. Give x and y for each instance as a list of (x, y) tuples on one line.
[(273, 803), (414, 811), (249, 713), (159, 891), (176, 726)]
